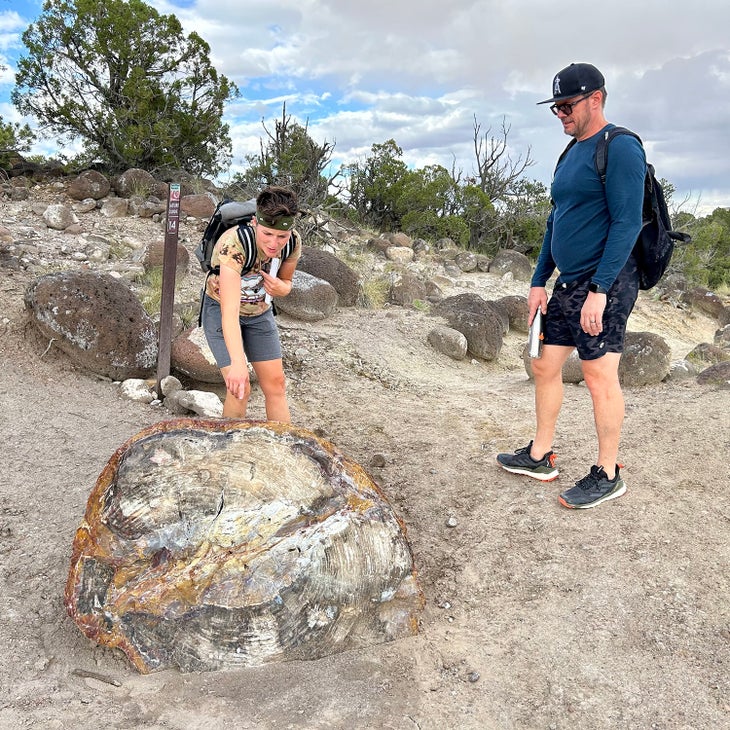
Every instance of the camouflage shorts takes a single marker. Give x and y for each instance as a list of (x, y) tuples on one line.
[(562, 323)]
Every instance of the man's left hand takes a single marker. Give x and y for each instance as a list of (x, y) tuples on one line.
[(591, 315)]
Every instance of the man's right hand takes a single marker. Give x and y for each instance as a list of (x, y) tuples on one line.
[(536, 299)]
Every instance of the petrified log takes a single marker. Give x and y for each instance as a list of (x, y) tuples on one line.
[(214, 544)]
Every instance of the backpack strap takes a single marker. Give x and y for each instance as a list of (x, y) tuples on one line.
[(601, 160), (247, 239), (564, 152), (560, 159)]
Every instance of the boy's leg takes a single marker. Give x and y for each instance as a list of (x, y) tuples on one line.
[(270, 374)]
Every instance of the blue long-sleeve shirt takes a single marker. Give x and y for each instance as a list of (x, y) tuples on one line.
[(592, 228)]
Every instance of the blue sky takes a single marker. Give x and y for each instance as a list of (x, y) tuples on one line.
[(421, 71)]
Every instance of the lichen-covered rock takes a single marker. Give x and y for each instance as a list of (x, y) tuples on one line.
[(646, 359), (191, 355), (89, 184), (325, 265), (477, 320), (214, 544), (97, 321), (310, 299), (718, 374), (513, 262)]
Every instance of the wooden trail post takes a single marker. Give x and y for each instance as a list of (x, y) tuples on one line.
[(169, 266)]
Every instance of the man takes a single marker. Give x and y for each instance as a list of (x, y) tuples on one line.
[(589, 239), (237, 316)]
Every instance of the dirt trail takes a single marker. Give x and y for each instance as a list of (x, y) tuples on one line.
[(536, 617)]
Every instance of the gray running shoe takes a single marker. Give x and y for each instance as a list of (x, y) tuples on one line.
[(593, 489), (522, 463)]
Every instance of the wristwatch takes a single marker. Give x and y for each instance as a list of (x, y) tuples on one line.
[(597, 288)]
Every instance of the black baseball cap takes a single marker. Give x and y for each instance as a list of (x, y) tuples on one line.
[(575, 80)]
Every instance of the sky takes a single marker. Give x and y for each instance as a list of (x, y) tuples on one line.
[(423, 72)]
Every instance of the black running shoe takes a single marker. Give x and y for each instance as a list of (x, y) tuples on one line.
[(522, 463), (593, 489)]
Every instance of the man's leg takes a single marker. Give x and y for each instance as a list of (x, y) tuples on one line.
[(548, 373), (601, 377)]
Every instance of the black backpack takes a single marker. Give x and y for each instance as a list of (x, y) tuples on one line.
[(655, 245), (228, 213)]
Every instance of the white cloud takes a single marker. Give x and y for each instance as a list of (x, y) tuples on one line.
[(420, 71)]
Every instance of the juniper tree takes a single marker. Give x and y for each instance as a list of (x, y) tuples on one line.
[(127, 82)]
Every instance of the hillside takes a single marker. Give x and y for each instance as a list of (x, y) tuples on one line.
[(536, 616)]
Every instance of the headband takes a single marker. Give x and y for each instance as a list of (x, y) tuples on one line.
[(278, 222)]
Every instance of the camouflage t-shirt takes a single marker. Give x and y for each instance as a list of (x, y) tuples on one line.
[(228, 251)]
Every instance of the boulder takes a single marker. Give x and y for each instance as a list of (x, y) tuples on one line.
[(476, 320), (59, 216), (475, 304), (115, 207), (191, 356), (97, 321), (448, 341), (466, 261), (89, 184), (139, 182), (329, 268), (406, 288), (705, 301), (718, 374), (646, 359), (722, 336), (200, 205), (146, 207), (379, 245), (218, 544), (155, 255), (513, 262), (399, 254), (399, 239), (682, 370), (310, 299), (706, 354), (517, 312)]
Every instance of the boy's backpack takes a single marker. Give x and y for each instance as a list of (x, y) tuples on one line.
[(228, 213), (655, 245)]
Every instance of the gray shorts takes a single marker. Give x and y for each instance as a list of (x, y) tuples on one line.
[(260, 334)]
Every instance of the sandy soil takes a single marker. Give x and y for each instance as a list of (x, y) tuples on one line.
[(536, 616)]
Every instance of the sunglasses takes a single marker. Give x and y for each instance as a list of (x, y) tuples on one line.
[(567, 107)]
